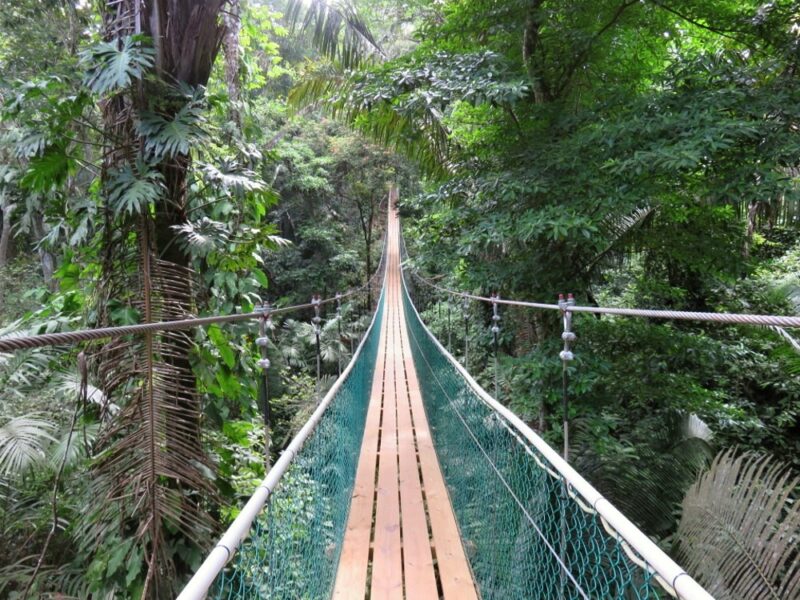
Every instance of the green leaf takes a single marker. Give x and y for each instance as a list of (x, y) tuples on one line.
[(129, 193), (48, 171), (168, 136), (109, 68), (261, 278), (117, 557)]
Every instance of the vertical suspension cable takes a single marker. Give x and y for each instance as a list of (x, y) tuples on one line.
[(263, 385), (317, 320), (566, 356), (339, 329), (465, 307), (495, 339), (449, 326)]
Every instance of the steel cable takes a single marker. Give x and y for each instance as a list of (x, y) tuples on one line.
[(731, 318), (27, 342)]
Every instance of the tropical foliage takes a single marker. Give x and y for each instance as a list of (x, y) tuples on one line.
[(635, 153)]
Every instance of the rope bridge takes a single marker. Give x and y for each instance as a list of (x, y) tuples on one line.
[(360, 505), (411, 481)]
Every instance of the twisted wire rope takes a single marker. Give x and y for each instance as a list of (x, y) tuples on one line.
[(15, 343), (730, 318)]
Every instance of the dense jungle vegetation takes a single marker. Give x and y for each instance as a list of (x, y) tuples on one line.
[(188, 157)]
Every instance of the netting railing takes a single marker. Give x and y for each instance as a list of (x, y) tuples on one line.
[(532, 527), (290, 533)]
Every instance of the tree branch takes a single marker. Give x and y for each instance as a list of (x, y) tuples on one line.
[(723, 32), (582, 56)]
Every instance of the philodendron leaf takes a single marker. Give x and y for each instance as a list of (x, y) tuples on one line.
[(111, 67)]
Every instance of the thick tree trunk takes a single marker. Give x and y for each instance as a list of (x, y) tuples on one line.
[(162, 419)]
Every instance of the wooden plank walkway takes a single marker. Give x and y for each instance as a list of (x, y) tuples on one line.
[(402, 540)]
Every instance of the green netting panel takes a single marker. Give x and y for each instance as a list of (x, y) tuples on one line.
[(293, 550), (525, 534)]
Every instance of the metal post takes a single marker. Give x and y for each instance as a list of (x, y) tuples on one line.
[(263, 388), (495, 338), (316, 300), (566, 356), (339, 328), (465, 306)]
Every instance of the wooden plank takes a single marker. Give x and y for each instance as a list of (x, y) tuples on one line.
[(402, 546), (351, 578), (387, 568), (455, 574), (418, 568)]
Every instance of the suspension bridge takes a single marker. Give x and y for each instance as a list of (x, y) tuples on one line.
[(410, 481)]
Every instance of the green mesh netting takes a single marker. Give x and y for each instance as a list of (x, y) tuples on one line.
[(524, 532), (294, 546)]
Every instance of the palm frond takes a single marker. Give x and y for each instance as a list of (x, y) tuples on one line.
[(151, 469), (23, 443), (740, 528), (338, 31), (646, 479), (617, 229)]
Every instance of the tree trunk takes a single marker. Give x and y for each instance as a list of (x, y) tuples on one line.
[(752, 214), (530, 56), (156, 440), (47, 259), (5, 231), (230, 45)]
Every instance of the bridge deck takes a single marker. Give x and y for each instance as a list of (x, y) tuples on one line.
[(402, 540)]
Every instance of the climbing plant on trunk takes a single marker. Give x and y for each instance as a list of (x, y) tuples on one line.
[(151, 471)]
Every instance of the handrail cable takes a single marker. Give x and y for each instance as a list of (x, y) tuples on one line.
[(27, 342), (734, 318)]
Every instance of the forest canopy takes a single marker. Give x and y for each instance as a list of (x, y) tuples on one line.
[(162, 160)]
